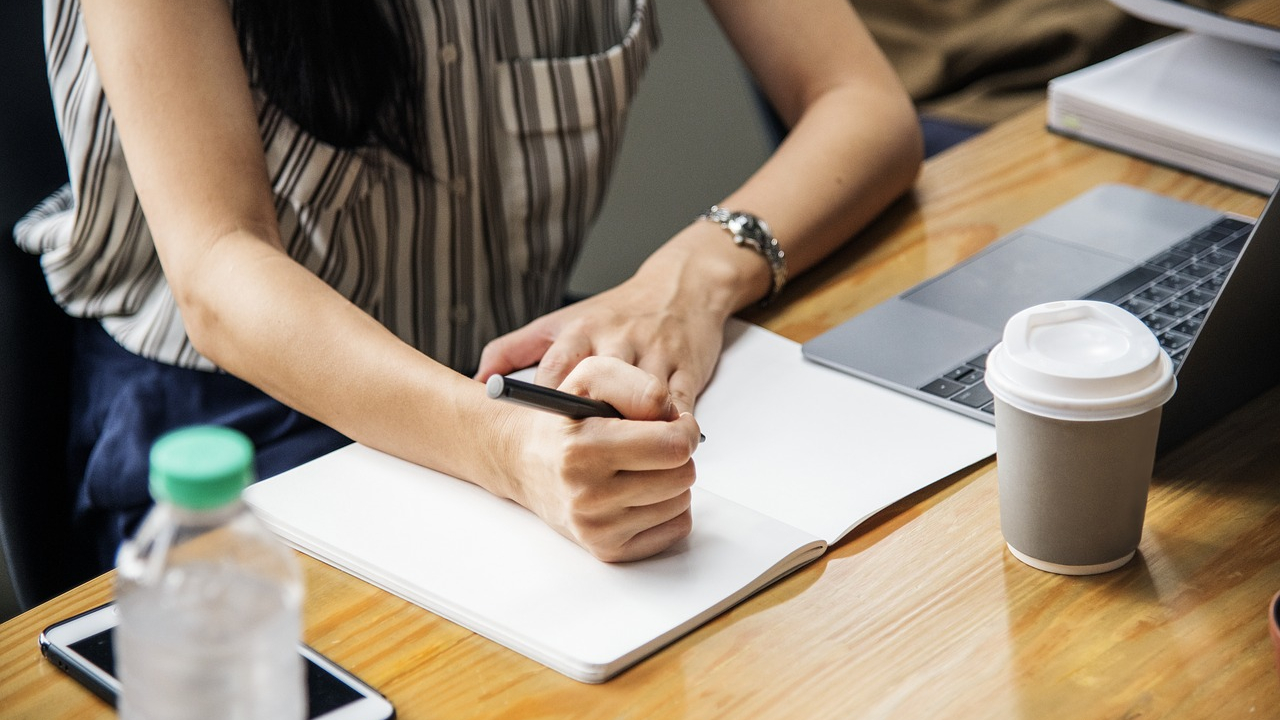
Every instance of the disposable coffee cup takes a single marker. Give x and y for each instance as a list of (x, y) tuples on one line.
[(1078, 386)]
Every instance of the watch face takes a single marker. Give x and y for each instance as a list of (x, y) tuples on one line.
[(749, 227)]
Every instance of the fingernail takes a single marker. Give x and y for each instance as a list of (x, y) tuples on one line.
[(701, 437)]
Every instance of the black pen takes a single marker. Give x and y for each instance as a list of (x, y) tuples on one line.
[(571, 406)]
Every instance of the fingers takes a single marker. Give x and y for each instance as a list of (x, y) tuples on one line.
[(619, 534), (612, 446), (620, 347), (664, 525), (638, 511), (684, 388), (654, 540), (678, 355), (626, 515), (514, 351), (620, 488), (562, 357), (633, 489), (635, 393)]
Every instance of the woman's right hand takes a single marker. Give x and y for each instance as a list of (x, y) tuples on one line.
[(618, 488)]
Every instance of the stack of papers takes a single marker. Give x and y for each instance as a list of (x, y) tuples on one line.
[(1197, 103)]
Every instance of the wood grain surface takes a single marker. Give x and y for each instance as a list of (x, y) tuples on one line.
[(920, 613)]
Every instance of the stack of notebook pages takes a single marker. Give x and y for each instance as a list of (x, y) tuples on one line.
[(1189, 101)]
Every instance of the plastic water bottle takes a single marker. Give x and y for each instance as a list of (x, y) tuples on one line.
[(209, 600)]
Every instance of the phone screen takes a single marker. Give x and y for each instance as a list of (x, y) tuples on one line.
[(325, 693), (82, 646)]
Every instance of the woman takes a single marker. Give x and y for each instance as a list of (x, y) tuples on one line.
[(354, 210)]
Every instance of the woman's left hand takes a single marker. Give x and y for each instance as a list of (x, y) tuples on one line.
[(663, 320)]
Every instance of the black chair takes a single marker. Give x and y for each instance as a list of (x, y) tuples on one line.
[(35, 501)]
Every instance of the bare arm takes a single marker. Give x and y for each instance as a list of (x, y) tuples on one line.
[(855, 142), (181, 100), (854, 146), (185, 115)]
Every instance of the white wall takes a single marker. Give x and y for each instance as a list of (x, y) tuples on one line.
[(694, 134)]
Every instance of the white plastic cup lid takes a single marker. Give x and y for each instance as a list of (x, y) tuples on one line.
[(1080, 360)]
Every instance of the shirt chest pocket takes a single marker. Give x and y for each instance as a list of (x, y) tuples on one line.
[(559, 128)]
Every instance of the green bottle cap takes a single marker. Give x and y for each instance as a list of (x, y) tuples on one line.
[(201, 467)]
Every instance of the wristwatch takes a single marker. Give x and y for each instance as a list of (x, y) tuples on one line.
[(752, 232)]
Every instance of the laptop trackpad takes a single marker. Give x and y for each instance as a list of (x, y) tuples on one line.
[(1027, 269)]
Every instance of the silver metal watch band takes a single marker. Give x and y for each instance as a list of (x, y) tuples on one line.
[(752, 232)]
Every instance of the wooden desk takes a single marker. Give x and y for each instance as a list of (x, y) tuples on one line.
[(922, 612)]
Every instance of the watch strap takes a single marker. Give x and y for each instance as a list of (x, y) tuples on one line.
[(752, 232)]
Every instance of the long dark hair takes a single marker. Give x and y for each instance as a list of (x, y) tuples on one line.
[(347, 71)]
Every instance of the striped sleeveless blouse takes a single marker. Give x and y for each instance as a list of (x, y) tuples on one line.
[(524, 116)]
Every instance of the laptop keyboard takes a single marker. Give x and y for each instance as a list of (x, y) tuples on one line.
[(1170, 292)]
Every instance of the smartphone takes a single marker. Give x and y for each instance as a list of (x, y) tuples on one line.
[(81, 646)]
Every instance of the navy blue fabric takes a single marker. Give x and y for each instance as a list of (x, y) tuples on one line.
[(122, 402), (941, 134)]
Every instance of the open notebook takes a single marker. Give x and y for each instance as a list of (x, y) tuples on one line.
[(796, 456)]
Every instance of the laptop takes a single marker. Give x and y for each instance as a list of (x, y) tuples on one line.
[(1205, 282)]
